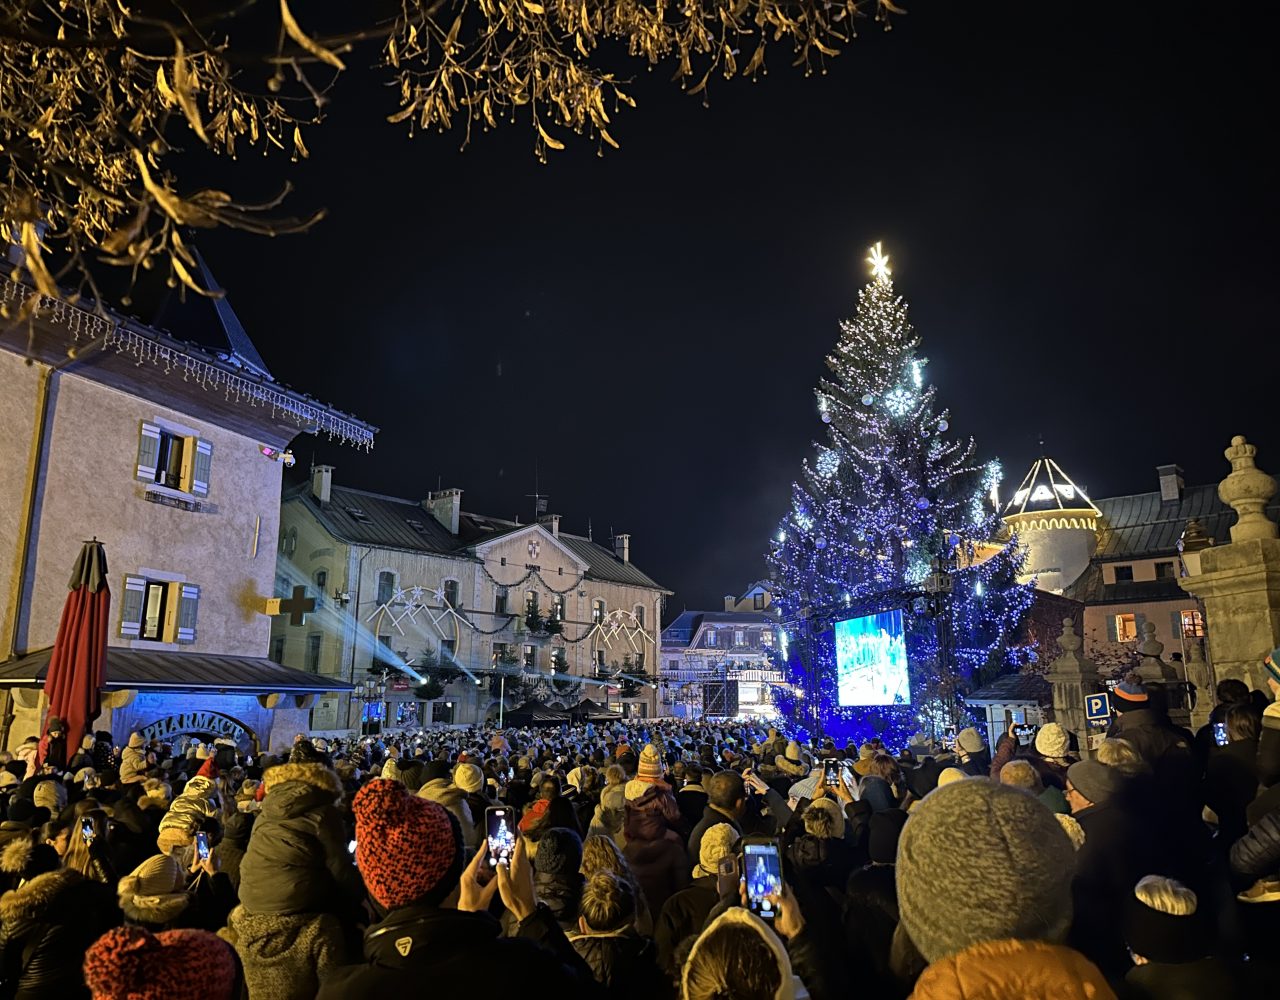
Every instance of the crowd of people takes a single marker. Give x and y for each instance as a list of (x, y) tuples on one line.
[(650, 859)]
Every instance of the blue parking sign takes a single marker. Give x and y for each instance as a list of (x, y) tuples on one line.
[(1097, 707)]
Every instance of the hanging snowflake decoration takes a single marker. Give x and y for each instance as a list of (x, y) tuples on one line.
[(828, 463), (899, 402)]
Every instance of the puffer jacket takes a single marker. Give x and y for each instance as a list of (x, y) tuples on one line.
[(285, 955), (297, 859), (682, 917), (997, 970), (1257, 854), (46, 925), (195, 805), (625, 964), (654, 849), (133, 764)]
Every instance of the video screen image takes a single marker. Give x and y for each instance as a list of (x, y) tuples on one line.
[(871, 660), (764, 874)]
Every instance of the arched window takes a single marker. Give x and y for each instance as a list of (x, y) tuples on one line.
[(451, 593), (386, 586), (597, 611)]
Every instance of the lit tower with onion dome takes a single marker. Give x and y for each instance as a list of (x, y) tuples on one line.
[(1056, 524)]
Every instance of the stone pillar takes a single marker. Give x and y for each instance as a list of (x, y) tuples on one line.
[(1073, 676), (1200, 677), (1239, 583), (1159, 675)]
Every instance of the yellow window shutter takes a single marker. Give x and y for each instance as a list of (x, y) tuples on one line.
[(187, 479), (172, 598)]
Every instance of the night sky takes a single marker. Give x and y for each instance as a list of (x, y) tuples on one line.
[(1077, 201)]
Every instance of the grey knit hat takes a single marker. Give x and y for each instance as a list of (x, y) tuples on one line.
[(978, 861)]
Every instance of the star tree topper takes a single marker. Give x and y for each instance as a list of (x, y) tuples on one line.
[(879, 262)]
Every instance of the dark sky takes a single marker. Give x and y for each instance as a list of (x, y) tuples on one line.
[(1077, 201)]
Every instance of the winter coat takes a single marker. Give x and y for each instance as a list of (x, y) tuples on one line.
[(871, 916), (1115, 854), (692, 800), (103, 755), (26, 752), (682, 917), (978, 765), (297, 859), (625, 964), (1006, 750), (285, 955), (1257, 854), (231, 848), (195, 805), (133, 765), (710, 817), (1052, 771), (1206, 979), (444, 792), (453, 951), (46, 925), (1230, 784), (654, 849), (878, 793), (999, 970)]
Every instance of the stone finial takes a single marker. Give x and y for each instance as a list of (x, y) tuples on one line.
[(1069, 642), (1150, 645), (1247, 490), (1193, 537)]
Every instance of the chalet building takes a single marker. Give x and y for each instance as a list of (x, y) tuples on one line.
[(168, 448), (717, 663), (511, 611)]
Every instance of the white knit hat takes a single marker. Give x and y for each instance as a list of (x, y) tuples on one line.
[(1053, 741)]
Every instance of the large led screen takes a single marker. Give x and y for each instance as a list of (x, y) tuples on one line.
[(871, 660)]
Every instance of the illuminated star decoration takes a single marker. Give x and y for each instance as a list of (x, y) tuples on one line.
[(879, 262)]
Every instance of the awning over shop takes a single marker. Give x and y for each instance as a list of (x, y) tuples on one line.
[(164, 670)]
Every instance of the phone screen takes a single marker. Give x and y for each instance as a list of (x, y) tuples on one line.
[(764, 877), (351, 847), (202, 846), (830, 772), (86, 830), (500, 829), (1220, 734)]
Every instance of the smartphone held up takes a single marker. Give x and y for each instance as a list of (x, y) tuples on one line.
[(762, 868), (500, 831)]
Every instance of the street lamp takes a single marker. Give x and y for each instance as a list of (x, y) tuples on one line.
[(938, 585), (369, 690)]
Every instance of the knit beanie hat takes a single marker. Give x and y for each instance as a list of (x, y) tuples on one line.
[(824, 818), (950, 774), (87, 743), (559, 852), (469, 778), (130, 963), (650, 766), (1074, 831), (1130, 693), (408, 849), (55, 725), (1166, 937), (978, 861), (1052, 741), (136, 741), (791, 762), (718, 842), (1095, 781), (8, 779), (970, 741), (885, 830), (155, 891), (50, 795), (1272, 663)]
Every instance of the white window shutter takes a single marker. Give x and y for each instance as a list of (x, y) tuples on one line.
[(148, 452), (189, 598), (135, 591), (203, 466)]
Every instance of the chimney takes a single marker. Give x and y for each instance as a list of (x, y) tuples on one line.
[(551, 522), (445, 506), (730, 602), (1170, 482), (622, 547), (322, 483)]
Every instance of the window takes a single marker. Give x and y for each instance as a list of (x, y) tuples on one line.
[(172, 459), (321, 579), (277, 649), (530, 658), (557, 607), (1126, 628), (451, 593), (597, 611), (739, 637), (711, 637), (1124, 574), (448, 650), (1164, 571), (640, 615), (559, 660), (1192, 625), (383, 657), (640, 662), (766, 637), (386, 586), (600, 658), (416, 525), (283, 587), (313, 652), (531, 601), (500, 599), (500, 650), (673, 665), (757, 602), (503, 561), (359, 516), (159, 610)]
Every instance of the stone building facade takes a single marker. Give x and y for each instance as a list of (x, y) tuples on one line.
[(169, 453), (401, 583)]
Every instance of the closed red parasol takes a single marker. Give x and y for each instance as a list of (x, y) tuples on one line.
[(77, 665)]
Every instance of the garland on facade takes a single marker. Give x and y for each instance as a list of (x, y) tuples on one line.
[(531, 574), (145, 347)]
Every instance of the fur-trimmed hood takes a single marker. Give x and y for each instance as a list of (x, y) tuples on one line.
[(30, 898), (16, 855), (315, 775)]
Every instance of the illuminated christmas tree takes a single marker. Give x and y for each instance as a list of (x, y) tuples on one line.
[(888, 501)]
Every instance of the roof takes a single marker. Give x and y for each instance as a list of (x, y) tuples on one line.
[(1144, 526), (684, 627), (178, 671), (240, 346), (1047, 488), (1088, 588), (1012, 688), (359, 517)]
